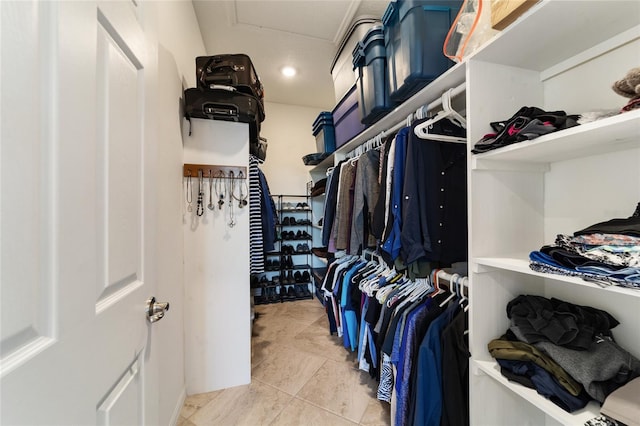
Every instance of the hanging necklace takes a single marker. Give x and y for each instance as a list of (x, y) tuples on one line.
[(200, 208), (210, 205), (232, 220), (219, 187), (242, 196), (189, 194)]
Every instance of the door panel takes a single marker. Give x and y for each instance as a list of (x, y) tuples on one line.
[(26, 305), (124, 401), (118, 165), (76, 258)]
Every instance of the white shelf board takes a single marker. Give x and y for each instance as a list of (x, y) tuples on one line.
[(323, 165), (453, 77), (588, 23), (492, 369), (520, 264), (617, 133)]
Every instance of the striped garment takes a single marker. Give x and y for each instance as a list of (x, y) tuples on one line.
[(256, 242), (385, 387)]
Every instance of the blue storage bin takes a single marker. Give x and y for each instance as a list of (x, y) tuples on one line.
[(324, 132), (414, 32), (370, 63), (346, 118)]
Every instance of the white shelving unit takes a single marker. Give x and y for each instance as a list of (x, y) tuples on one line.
[(560, 55)]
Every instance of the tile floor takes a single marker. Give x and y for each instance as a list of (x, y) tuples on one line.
[(301, 375)]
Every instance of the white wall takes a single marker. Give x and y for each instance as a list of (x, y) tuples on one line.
[(216, 266), (179, 33), (288, 129), (169, 238)]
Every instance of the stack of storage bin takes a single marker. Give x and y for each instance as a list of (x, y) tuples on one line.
[(346, 118), (341, 67), (346, 114), (414, 34), (324, 132), (370, 63)]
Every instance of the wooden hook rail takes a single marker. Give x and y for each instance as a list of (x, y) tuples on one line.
[(214, 171)]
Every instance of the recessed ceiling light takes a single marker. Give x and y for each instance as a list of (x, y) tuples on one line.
[(288, 71)]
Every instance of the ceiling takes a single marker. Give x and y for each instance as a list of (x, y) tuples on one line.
[(274, 33)]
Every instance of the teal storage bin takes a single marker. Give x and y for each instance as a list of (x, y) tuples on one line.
[(372, 83), (324, 132), (414, 32)]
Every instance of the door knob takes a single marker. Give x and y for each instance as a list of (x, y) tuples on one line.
[(156, 310)]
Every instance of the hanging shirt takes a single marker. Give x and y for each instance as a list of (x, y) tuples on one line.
[(344, 209), (366, 192), (434, 210), (428, 406), (392, 243), (330, 204), (268, 214)]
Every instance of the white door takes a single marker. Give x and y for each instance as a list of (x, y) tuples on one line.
[(76, 208)]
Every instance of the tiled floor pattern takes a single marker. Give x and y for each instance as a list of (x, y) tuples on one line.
[(301, 375)]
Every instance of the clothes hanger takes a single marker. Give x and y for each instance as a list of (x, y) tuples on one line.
[(466, 298), (453, 294), (422, 289), (422, 130)]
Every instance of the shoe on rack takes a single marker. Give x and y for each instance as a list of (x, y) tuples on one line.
[(286, 221), (290, 278), (299, 248), (305, 277), (297, 277), (305, 291), (290, 264), (305, 248), (292, 221), (275, 265), (291, 294), (275, 296), (285, 293), (298, 292), (305, 236)]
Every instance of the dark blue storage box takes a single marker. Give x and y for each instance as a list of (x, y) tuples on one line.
[(414, 34), (324, 132), (370, 63), (346, 118)]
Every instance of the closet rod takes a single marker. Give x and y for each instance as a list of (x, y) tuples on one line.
[(437, 102)]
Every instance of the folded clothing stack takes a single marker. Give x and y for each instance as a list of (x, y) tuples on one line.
[(566, 352), (607, 253), (319, 187), (526, 124)]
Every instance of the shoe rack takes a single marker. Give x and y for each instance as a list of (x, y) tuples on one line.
[(287, 274)]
